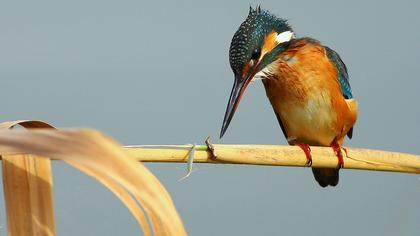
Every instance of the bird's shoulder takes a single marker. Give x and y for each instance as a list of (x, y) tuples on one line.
[(305, 42), (307, 47)]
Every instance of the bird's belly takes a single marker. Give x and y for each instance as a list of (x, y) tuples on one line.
[(311, 121)]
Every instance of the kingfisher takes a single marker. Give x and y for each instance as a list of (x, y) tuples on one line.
[(305, 81)]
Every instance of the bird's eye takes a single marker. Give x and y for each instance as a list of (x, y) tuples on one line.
[(256, 54)]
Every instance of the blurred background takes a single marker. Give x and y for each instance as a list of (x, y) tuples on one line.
[(157, 72)]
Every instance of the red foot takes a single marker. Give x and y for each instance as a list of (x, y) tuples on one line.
[(307, 150), (337, 150)]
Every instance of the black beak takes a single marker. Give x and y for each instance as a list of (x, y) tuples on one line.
[(238, 89)]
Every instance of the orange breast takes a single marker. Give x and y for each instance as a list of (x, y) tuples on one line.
[(306, 94)]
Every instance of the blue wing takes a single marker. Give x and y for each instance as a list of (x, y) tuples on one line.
[(343, 77)]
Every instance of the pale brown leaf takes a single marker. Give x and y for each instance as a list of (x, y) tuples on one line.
[(102, 158)]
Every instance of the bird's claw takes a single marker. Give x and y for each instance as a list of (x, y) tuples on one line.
[(307, 150), (308, 163), (340, 164), (337, 150)]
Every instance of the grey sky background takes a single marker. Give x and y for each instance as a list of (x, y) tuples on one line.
[(158, 73)]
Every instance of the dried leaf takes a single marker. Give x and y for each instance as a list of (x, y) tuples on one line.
[(102, 158), (27, 183)]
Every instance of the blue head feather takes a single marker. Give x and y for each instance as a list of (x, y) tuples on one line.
[(250, 35)]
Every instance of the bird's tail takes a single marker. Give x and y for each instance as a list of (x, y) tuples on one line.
[(326, 176)]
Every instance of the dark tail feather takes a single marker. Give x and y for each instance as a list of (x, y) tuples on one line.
[(326, 176)]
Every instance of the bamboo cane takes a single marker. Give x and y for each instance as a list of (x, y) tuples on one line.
[(277, 155)]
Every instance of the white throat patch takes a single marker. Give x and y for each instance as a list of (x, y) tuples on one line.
[(264, 73), (285, 36)]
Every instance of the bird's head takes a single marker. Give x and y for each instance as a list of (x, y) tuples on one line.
[(257, 43)]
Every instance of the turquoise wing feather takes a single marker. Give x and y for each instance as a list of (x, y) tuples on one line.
[(343, 77)]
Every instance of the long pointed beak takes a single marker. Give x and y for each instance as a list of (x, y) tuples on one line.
[(238, 89)]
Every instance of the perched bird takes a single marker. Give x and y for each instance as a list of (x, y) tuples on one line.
[(306, 82)]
